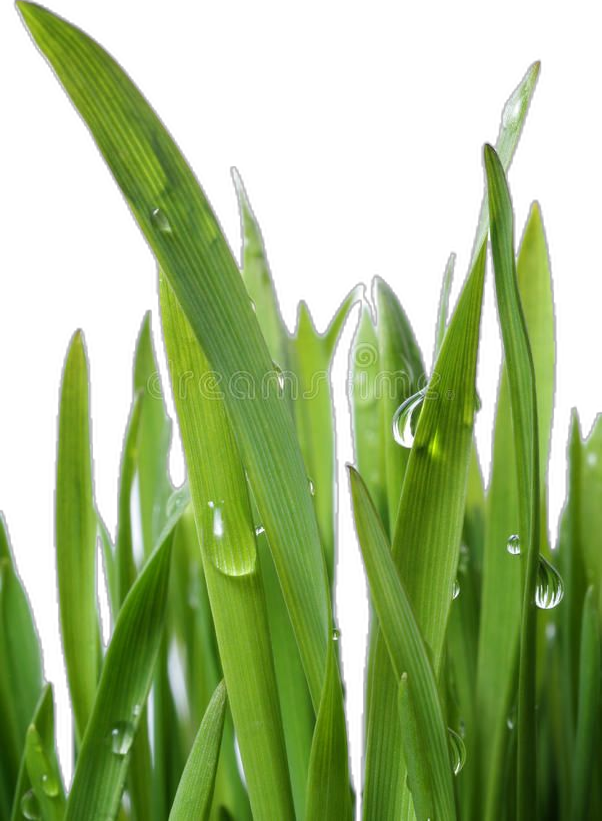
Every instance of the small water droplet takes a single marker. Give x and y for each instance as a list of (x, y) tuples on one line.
[(477, 402), (513, 545), (457, 750), (336, 634), (178, 500), (403, 420), (30, 807), (549, 588), (121, 737), (50, 785), (259, 530), (136, 710), (312, 487), (279, 376), (511, 719), (160, 221), (455, 589), (253, 306)]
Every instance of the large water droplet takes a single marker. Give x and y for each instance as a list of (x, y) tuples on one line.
[(231, 554), (513, 545), (403, 424), (50, 785), (160, 221), (30, 808), (455, 589), (121, 737), (549, 588), (457, 750)]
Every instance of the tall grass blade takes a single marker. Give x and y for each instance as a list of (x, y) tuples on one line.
[(443, 313), (177, 220), (521, 380), (227, 537), (76, 525), (195, 791)]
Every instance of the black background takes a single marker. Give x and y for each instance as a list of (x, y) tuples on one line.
[(360, 147)]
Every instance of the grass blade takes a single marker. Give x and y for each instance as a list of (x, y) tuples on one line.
[(521, 380), (588, 709), (328, 793), (446, 286), (20, 670), (183, 233), (433, 797), (123, 688), (76, 525), (195, 791), (227, 537)]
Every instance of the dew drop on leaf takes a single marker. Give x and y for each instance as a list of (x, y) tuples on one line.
[(121, 737), (513, 545), (259, 530), (279, 377), (549, 588), (404, 425), (336, 634), (312, 487), (160, 221), (457, 750), (455, 589), (50, 785), (30, 807)]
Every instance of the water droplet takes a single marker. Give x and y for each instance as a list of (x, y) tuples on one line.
[(336, 634), (403, 426), (232, 556), (549, 588), (279, 376), (253, 306), (160, 221), (511, 719), (259, 530), (136, 710), (312, 487), (513, 545), (50, 785), (30, 807), (177, 501), (477, 402), (455, 589), (121, 737), (457, 750)]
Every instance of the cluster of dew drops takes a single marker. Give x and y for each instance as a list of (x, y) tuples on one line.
[(549, 587)]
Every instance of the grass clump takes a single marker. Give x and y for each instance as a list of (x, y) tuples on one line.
[(483, 674)]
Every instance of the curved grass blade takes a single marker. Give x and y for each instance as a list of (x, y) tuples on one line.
[(76, 524), (328, 789), (20, 670), (183, 233), (588, 708), (123, 688), (501, 600), (431, 774), (227, 538), (523, 401), (41, 761), (195, 791)]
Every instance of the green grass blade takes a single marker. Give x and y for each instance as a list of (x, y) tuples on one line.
[(227, 537), (521, 379), (42, 763), (177, 220), (401, 375), (501, 608), (195, 791), (328, 792), (258, 280), (588, 710), (408, 654), (122, 691), (20, 669), (443, 313), (76, 537), (152, 464), (124, 545), (368, 432)]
